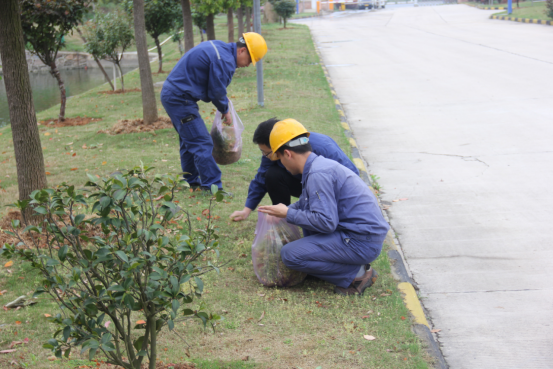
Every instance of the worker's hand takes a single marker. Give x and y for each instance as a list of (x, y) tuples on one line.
[(240, 215), (227, 119), (278, 211)]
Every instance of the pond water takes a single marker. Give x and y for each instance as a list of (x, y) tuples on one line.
[(46, 92)]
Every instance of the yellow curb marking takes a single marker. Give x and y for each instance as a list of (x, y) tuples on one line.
[(341, 112), (345, 126), (412, 302), (352, 142), (359, 164), (336, 101)]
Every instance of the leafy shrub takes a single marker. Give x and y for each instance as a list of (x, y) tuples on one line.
[(138, 269), (549, 8)]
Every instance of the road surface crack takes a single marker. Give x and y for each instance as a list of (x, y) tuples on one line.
[(466, 158)]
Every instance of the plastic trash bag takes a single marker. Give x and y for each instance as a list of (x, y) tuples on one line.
[(272, 234), (227, 140)]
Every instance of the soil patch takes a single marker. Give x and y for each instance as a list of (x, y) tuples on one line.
[(68, 122), (31, 237), (117, 92), (137, 125), (144, 366)]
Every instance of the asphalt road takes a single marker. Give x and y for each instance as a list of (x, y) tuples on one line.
[(454, 112)]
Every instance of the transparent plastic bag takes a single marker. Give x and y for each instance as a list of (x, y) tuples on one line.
[(227, 140), (272, 234)]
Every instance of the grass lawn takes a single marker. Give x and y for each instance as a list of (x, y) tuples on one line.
[(536, 11), (303, 327)]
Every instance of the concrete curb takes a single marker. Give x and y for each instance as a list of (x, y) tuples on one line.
[(523, 20), (400, 270)]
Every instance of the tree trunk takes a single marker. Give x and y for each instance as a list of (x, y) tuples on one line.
[(26, 139), (188, 25), (149, 106), (240, 20), (284, 22), (159, 55), (97, 61), (210, 27), (201, 34), (230, 22), (121, 76), (63, 96), (153, 342), (248, 19), (181, 48)]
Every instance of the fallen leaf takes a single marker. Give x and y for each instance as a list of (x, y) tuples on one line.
[(48, 173), (70, 143), (104, 162), (403, 318), (8, 264), (435, 330), (47, 315), (3, 292), (7, 351), (403, 199), (26, 340), (262, 315), (47, 134), (365, 317), (163, 160), (84, 147), (17, 322), (199, 218), (369, 338), (141, 322), (74, 154), (73, 169), (245, 358)]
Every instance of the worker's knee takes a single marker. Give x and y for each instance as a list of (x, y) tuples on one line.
[(288, 256), (273, 176)]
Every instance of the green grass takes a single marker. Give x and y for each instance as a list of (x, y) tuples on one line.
[(305, 326), (536, 11)]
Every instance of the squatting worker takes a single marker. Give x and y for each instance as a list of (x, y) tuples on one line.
[(204, 73), (342, 223), (273, 178)]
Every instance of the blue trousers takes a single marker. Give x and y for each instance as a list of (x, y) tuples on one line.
[(335, 257), (196, 145)]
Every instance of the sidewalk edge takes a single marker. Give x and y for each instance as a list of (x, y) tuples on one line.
[(399, 267), (523, 20)]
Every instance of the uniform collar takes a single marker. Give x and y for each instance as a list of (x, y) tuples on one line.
[(307, 166)]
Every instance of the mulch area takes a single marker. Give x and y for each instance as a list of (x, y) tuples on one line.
[(68, 122), (137, 125), (117, 92), (31, 237)]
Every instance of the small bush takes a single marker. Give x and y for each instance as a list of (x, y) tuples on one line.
[(549, 8), (285, 9), (116, 291)]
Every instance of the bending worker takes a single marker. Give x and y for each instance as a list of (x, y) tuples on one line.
[(204, 73), (342, 223), (273, 178)]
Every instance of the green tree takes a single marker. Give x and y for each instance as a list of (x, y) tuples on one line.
[(285, 9), (209, 8), (139, 267), (160, 17), (108, 36), (44, 24), (26, 138), (178, 34)]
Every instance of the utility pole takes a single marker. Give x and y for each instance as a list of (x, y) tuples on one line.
[(259, 64)]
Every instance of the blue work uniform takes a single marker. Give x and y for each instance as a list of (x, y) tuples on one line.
[(321, 144), (203, 73), (342, 223)]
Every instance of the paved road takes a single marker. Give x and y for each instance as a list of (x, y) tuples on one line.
[(455, 112)]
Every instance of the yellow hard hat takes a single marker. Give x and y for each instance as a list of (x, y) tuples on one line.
[(256, 46), (283, 132)]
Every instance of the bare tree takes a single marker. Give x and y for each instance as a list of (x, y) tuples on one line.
[(230, 22), (149, 106), (240, 20), (26, 139)]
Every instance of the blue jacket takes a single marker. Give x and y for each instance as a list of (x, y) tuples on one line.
[(333, 199), (322, 145), (204, 73)]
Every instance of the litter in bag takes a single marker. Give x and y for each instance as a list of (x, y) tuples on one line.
[(227, 140), (272, 234)]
